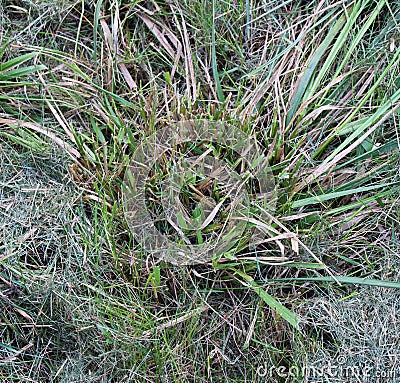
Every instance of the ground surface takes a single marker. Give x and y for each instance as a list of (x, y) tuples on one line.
[(316, 83)]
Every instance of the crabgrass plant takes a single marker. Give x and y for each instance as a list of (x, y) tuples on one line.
[(83, 82)]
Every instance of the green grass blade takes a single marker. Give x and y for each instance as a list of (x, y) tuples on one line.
[(337, 46), (329, 196), (16, 73), (17, 61), (346, 280), (314, 61), (365, 124), (219, 91), (389, 146), (363, 202), (393, 62), (356, 40), (272, 302), (95, 29)]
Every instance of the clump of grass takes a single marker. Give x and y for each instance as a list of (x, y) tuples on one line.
[(317, 84)]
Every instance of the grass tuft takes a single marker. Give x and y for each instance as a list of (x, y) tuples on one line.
[(83, 83)]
